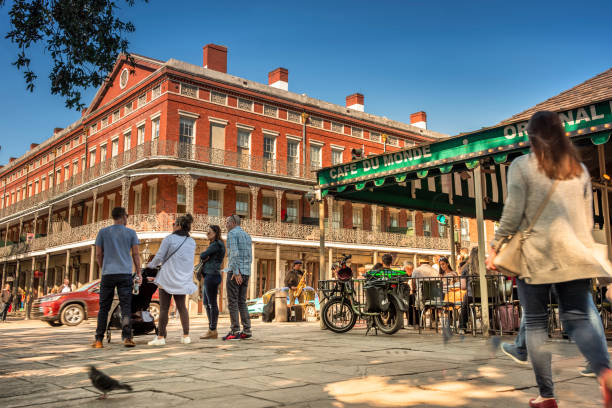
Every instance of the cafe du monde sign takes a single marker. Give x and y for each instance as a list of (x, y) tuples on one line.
[(499, 139)]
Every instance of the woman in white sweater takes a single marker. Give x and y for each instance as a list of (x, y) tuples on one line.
[(175, 277)]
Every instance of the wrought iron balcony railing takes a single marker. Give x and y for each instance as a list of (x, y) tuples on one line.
[(257, 228), (165, 149)]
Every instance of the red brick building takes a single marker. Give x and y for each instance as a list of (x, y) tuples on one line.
[(162, 138)]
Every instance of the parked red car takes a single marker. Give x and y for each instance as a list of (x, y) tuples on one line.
[(72, 308)]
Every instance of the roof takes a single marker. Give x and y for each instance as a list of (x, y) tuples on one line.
[(596, 89)]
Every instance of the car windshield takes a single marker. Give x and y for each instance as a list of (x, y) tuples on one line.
[(86, 286)]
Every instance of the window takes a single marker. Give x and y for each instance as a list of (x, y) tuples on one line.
[(375, 137), (336, 156), (293, 157), (315, 157), (142, 99), (393, 220), (152, 198), (30, 190), (127, 142), (115, 147), (357, 132), (99, 209), (357, 218), (189, 90), (465, 229), (115, 116), (427, 226), (128, 108), (242, 204), (410, 223), (75, 167), (66, 172), (218, 97), (36, 187), (243, 141), (337, 215), (138, 200), (268, 147), (42, 183), (292, 211), (103, 152), (270, 111), (316, 122), (392, 141), (186, 130), (104, 123), (442, 230), (111, 202), (92, 157), (83, 163), (214, 203), (155, 129), (93, 128), (156, 92), (140, 132), (245, 104), (181, 199), (293, 116), (267, 207), (337, 127)]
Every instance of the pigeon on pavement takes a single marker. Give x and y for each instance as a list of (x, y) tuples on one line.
[(105, 383)]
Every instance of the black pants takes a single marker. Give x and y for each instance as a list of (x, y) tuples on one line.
[(123, 283), (236, 303), (209, 297)]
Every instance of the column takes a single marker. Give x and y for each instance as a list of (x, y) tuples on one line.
[(330, 211), (70, 213), (94, 205), (92, 263), (279, 203), (330, 261), (482, 270), (253, 278), (3, 274), (322, 267), (67, 269), (189, 182), (375, 258), (16, 286), (35, 223), (125, 192), (451, 233), (277, 277), (49, 217), (28, 287), (20, 227), (6, 233), (375, 222), (254, 195), (46, 278)]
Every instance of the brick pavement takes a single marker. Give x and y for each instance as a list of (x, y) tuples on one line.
[(289, 364)]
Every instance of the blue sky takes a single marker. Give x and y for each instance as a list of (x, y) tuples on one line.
[(468, 64)]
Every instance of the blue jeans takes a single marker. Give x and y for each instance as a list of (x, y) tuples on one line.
[(123, 282), (520, 342), (209, 298), (579, 317)]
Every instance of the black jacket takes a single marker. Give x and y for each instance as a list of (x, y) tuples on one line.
[(215, 254)]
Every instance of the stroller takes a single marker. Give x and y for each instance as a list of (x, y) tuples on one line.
[(142, 321)]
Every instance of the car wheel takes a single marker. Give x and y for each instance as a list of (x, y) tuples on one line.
[(72, 315), (154, 310), (54, 323)]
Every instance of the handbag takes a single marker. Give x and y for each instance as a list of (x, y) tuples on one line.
[(510, 251)]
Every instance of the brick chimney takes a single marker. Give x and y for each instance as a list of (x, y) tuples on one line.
[(279, 78), (33, 145), (419, 119), (355, 101), (57, 130), (215, 57), (12, 159)]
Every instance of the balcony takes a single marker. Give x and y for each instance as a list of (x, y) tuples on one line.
[(162, 149), (257, 228)]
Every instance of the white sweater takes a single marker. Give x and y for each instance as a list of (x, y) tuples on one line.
[(176, 273)]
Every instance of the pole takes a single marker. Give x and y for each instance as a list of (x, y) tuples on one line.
[(322, 267), (451, 233), (482, 271), (92, 262), (604, 198), (46, 281), (277, 274)]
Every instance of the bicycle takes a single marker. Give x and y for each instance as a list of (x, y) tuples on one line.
[(341, 309)]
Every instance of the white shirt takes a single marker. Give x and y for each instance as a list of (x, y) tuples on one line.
[(176, 273), (66, 289)]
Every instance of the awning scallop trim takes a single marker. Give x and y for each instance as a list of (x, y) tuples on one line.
[(360, 186), (379, 182), (600, 139)]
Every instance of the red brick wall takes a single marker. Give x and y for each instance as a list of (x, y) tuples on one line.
[(166, 193), (229, 201), (200, 197)]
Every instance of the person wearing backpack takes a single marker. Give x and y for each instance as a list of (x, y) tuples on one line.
[(175, 277)]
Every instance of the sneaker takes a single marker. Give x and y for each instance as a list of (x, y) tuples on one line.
[(245, 335), (211, 334), (186, 340), (157, 342), (232, 336), (511, 351), (587, 371), (129, 343), (97, 344)]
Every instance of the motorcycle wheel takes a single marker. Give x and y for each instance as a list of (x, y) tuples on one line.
[(338, 315), (391, 321)]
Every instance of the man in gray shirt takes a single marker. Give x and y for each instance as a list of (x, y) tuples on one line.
[(116, 250)]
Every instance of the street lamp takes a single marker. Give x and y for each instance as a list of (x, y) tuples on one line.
[(145, 252)]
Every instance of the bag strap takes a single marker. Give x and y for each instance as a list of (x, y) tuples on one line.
[(541, 208), (173, 252)]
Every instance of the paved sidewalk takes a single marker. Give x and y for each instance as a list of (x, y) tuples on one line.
[(296, 365)]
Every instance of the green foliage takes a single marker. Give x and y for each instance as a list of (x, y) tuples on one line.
[(82, 37)]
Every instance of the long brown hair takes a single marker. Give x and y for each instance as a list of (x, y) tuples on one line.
[(556, 154)]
